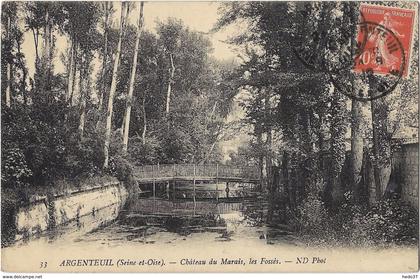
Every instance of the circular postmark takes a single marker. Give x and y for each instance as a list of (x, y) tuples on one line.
[(379, 66), (331, 48), (364, 67)]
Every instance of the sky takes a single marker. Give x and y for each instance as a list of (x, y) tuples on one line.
[(198, 16)]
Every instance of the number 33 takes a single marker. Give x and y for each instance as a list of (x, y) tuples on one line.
[(43, 265)]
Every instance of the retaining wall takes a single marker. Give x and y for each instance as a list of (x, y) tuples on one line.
[(43, 214)]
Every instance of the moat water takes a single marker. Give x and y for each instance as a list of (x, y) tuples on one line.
[(174, 215), (173, 231)]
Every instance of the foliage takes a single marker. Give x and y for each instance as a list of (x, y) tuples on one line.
[(41, 140), (390, 221), (14, 167), (144, 153)]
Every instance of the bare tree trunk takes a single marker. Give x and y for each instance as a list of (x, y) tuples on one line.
[(24, 74), (36, 35), (213, 111), (121, 130), (356, 156), (82, 102), (143, 136), (268, 143), (24, 92), (9, 82), (104, 61), (46, 53), (171, 80), (269, 159), (124, 10), (74, 71), (208, 153), (71, 75), (9, 68)]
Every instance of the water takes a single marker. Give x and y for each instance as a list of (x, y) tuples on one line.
[(172, 215), (172, 225)]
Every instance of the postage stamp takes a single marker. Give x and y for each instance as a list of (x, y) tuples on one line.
[(208, 136), (388, 45)]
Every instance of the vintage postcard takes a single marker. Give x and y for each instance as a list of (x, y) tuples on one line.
[(209, 136)]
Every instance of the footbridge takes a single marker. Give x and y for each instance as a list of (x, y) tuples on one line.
[(192, 172)]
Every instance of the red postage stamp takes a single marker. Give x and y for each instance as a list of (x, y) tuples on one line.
[(385, 34)]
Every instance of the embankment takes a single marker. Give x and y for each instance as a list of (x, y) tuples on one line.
[(49, 212)]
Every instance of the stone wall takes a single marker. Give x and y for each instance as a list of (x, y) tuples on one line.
[(43, 214), (402, 178), (405, 167)]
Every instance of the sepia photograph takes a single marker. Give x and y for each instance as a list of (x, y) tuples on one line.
[(239, 136)]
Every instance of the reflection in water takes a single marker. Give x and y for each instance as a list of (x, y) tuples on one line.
[(173, 215), (75, 230)]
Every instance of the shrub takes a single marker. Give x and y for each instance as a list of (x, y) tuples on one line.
[(144, 154), (9, 204), (390, 221), (120, 167), (313, 222), (14, 168)]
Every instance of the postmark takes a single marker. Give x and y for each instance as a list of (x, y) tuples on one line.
[(370, 67), (378, 56), (388, 41), (332, 45)]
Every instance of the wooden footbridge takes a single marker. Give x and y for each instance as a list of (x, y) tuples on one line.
[(192, 172)]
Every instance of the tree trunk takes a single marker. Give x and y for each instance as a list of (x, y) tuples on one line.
[(46, 54), (356, 156), (74, 78), (36, 35), (333, 164), (269, 159), (132, 80), (24, 92), (268, 143), (121, 130), (70, 71), (286, 182), (260, 154), (24, 73), (171, 80), (143, 136), (82, 102), (213, 111), (381, 146), (9, 68), (113, 88), (104, 61)]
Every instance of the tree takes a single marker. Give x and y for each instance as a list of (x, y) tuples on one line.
[(107, 7), (132, 80), (8, 31), (170, 36), (81, 27), (124, 14), (13, 67), (279, 37)]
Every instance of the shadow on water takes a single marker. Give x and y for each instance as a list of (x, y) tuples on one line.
[(182, 212), (169, 215)]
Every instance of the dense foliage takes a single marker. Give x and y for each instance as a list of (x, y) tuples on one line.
[(301, 122), (54, 126)]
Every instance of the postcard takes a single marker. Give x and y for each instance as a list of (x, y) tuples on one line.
[(245, 136)]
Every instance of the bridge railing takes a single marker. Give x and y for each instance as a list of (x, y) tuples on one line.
[(191, 170)]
